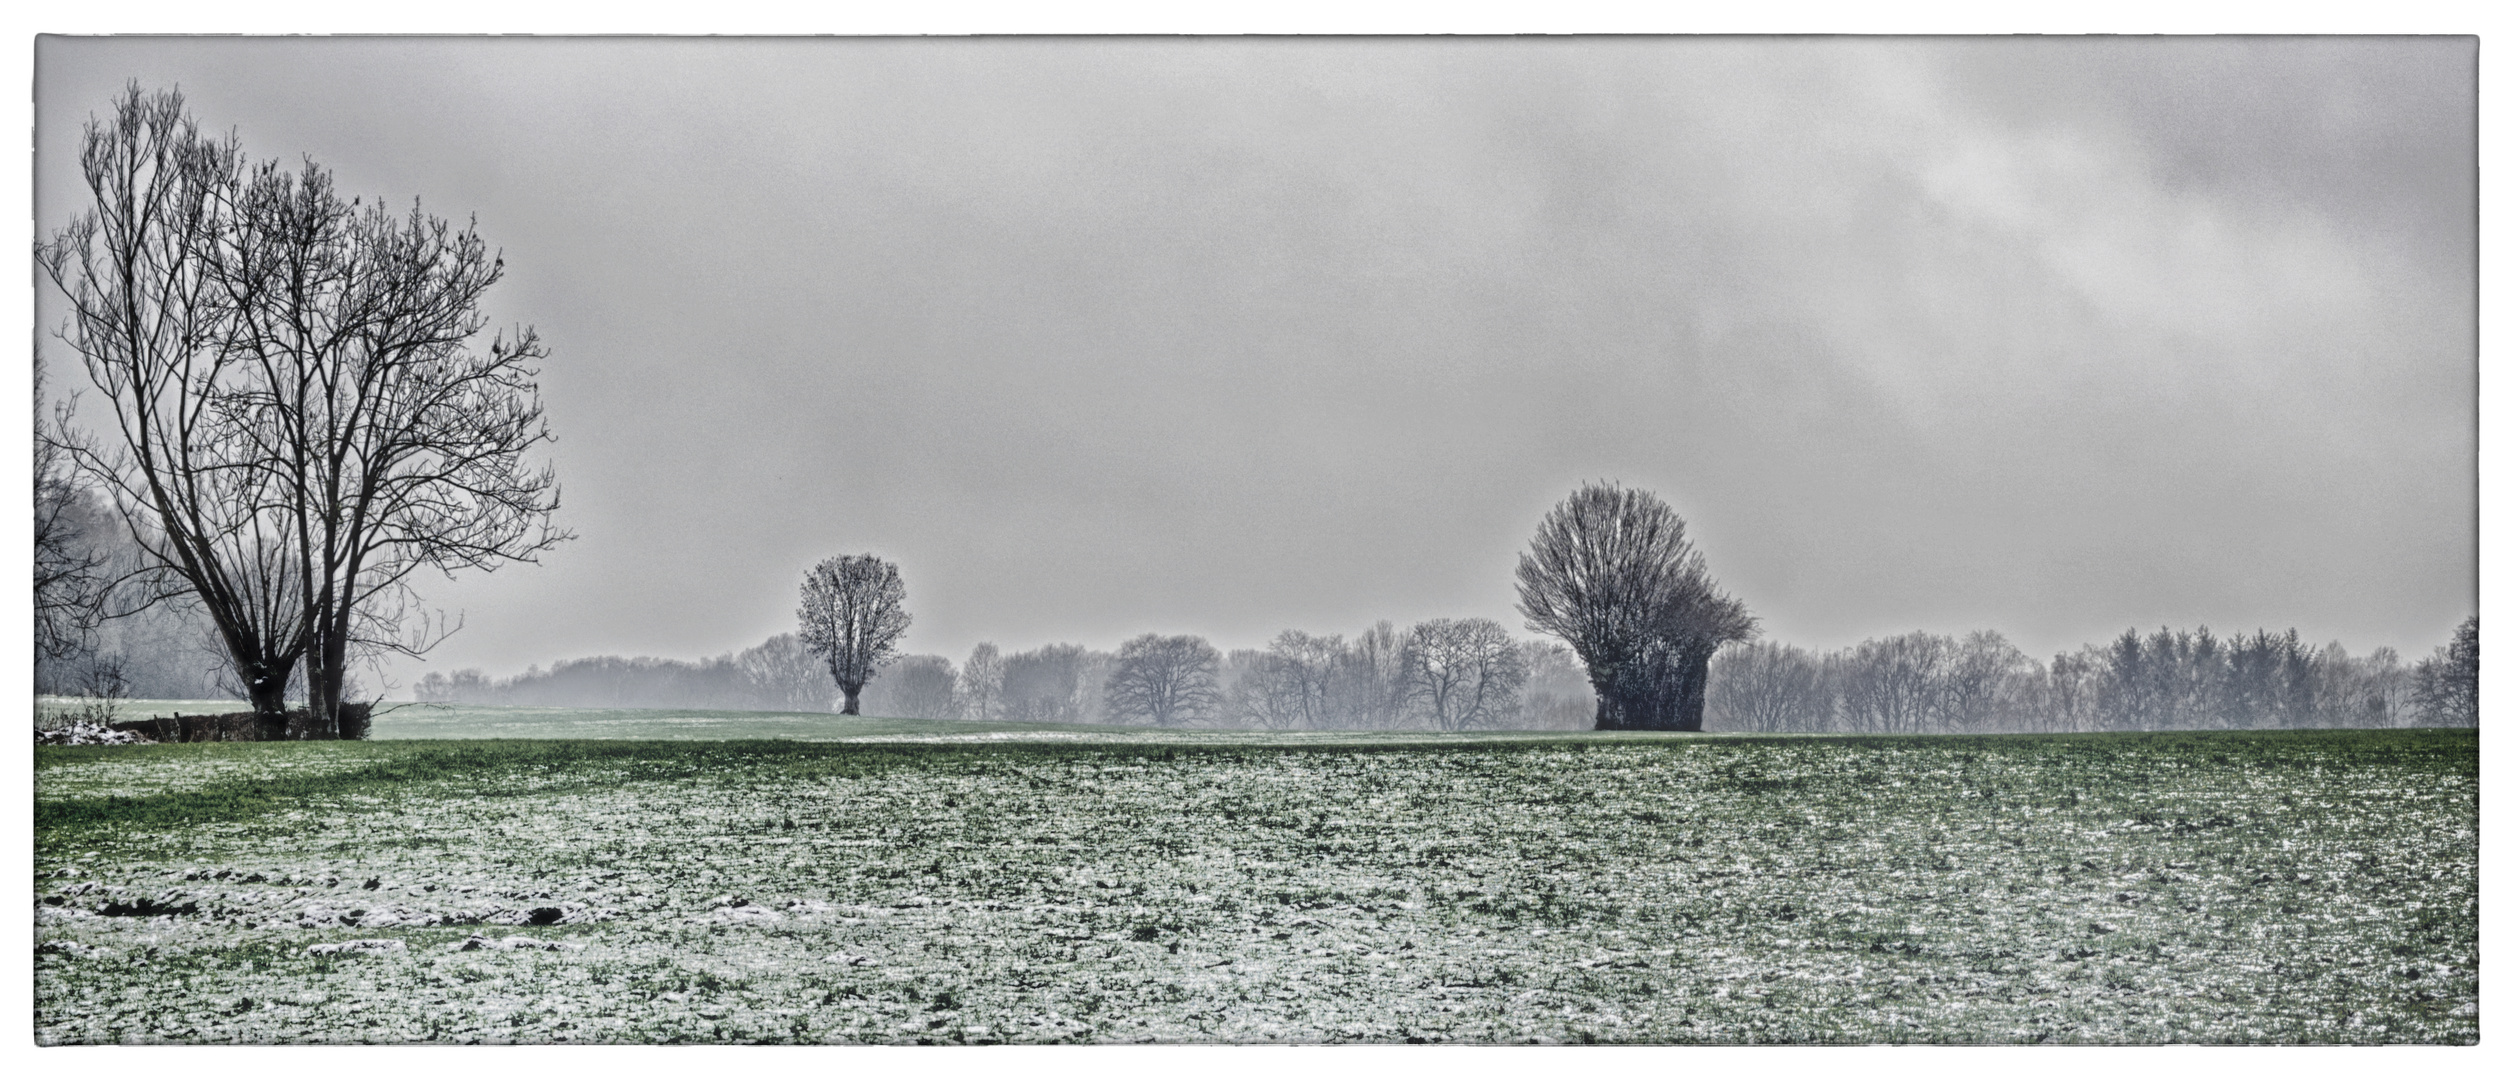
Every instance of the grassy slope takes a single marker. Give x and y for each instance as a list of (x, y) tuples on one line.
[(2289, 886)]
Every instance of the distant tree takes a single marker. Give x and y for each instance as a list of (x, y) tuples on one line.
[(1611, 573), (468, 685), (1465, 673), (1767, 686), (1091, 685), (2385, 688), (778, 674), (2170, 680), (2268, 681), (1891, 685), (2125, 698), (70, 568), (915, 687), (1984, 684), (1373, 691), (1165, 681), (1304, 669), (1557, 694), (1044, 685), (2446, 684), (782, 674), (981, 683), (854, 613), (1263, 690), (2072, 690)]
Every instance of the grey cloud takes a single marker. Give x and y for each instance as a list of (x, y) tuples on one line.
[(1098, 337)]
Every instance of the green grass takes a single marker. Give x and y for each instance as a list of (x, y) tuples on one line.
[(2201, 887)]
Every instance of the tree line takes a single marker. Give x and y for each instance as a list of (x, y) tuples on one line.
[(1442, 674), (1914, 683), (2163, 680), (1648, 640)]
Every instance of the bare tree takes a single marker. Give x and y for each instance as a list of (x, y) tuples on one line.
[(186, 475), (1373, 687), (854, 612), (2068, 691), (1045, 685), (1307, 668), (2387, 684), (1611, 573), (397, 444), (2446, 683), (1768, 686), (1466, 673), (1982, 685), (1692, 628), (780, 673), (1091, 685), (981, 683), (1891, 685), (1165, 681), (304, 422), (1265, 690), (915, 687)]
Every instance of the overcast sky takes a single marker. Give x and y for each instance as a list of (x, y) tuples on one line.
[(1099, 337)]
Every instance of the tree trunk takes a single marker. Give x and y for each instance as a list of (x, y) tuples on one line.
[(268, 692), (326, 672), (1614, 704), (319, 708), (1692, 685), (1636, 697), (853, 693), (1627, 710)]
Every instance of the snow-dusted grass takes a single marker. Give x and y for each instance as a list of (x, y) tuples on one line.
[(2215, 887), (420, 720)]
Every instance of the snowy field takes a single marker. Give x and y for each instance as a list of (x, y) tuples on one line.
[(957, 887), (407, 720)]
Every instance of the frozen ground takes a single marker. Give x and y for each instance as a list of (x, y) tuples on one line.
[(2217, 887)]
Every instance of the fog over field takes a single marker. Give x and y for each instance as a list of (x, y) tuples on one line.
[(1098, 337)]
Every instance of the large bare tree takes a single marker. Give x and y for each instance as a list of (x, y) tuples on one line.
[(1165, 681), (1692, 627), (854, 613), (1612, 574), (303, 419), (397, 442)]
